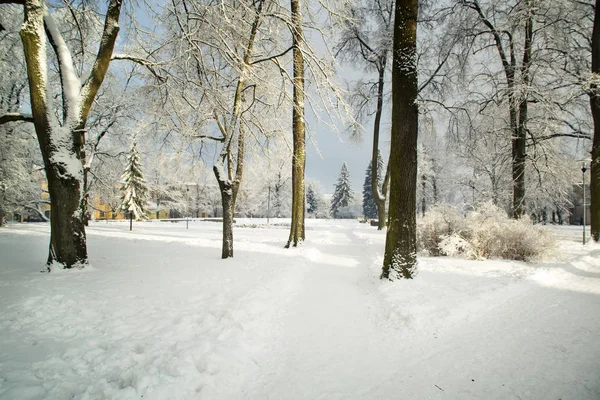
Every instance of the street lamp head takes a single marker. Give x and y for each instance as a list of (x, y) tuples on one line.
[(583, 169)]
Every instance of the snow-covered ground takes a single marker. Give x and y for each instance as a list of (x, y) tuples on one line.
[(158, 315)]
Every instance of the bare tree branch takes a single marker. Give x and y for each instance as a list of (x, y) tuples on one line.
[(15, 117), (149, 65)]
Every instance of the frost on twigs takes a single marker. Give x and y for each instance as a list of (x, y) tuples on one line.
[(592, 83), (485, 233)]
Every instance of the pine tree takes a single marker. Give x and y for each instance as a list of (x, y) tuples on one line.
[(312, 204), (135, 189), (343, 194)]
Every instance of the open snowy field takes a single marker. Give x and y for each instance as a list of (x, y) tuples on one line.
[(158, 315)]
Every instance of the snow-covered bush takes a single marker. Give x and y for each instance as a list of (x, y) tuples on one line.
[(484, 233), (442, 221), (454, 245)]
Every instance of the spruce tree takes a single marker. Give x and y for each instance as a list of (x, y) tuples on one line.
[(312, 204), (134, 188), (343, 194), (369, 204)]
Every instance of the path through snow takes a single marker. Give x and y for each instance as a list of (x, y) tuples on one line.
[(160, 316)]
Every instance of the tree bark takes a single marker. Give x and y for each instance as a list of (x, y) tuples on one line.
[(595, 106), (297, 232), (67, 233), (423, 193), (227, 203), (379, 194), (400, 259), (518, 143), (227, 184), (509, 66), (62, 146)]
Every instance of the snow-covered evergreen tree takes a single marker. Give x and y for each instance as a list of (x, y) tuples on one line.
[(343, 194), (369, 205), (135, 188), (312, 203)]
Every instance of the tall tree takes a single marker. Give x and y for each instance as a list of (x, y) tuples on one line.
[(62, 139), (135, 190), (226, 84), (368, 33), (343, 194), (297, 233), (400, 259), (518, 80), (369, 205), (595, 106)]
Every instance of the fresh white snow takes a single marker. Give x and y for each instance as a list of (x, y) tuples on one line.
[(69, 81), (158, 315)]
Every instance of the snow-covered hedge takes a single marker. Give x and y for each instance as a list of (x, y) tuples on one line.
[(484, 233)]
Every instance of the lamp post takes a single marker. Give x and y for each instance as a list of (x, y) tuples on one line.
[(188, 206), (583, 169)]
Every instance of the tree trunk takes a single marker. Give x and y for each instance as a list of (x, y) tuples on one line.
[(297, 233), (400, 259), (61, 145), (435, 191), (379, 194), (424, 190), (518, 142), (86, 196), (595, 105), (67, 228), (227, 203), (67, 231)]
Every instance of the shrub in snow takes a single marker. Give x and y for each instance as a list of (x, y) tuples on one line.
[(454, 245), (484, 233), (442, 221)]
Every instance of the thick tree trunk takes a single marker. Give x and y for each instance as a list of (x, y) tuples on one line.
[(400, 259), (518, 167), (67, 231), (67, 228), (297, 233), (379, 194), (518, 143), (595, 105), (61, 145)]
